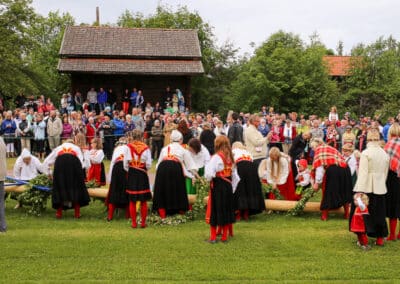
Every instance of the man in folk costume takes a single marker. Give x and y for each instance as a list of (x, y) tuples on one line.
[(392, 148), (224, 179), (248, 197), (174, 163), (117, 196), (69, 189), (137, 162), (372, 175), (331, 172)]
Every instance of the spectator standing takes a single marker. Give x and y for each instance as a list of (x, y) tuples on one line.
[(133, 97), (3, 172), (92, 98), (66, 129), (107, 126), (24, 132), (256, 144), (54, 130), (139, 100), (137, 119), (102, 97), (8, 127), (235, 132), (39, 129), (157, 139)]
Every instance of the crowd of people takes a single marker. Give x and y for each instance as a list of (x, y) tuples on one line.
[(284, 151)]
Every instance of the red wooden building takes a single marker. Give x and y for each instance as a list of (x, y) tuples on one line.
[(124, 58)]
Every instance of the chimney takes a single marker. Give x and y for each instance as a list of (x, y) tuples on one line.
[(97, 16)]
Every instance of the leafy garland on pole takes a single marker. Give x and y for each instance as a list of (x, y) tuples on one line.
[(202, 187), (267, 188), (36, 199), (299, 207)]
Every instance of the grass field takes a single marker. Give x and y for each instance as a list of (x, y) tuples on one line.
[(268, 248)]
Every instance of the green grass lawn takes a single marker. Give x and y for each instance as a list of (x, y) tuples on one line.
[(268, 248)]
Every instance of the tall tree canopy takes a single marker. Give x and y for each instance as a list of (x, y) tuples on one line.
[(287, 74), (374, 85), (16, 16)]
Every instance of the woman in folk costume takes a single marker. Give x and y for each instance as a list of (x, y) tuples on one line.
[(393, 180), (372, 174), (276, 170), (69, 189), (174, 163), (201, 157), (138, 161), (26, 167), (248, 197), (117, 196), (96, 171), (224, 179), (331, 173)]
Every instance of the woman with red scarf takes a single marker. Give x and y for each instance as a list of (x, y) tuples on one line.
[(331, 173), (392, 148), (220, 171), (138, 161)]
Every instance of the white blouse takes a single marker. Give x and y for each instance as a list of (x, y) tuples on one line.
[(202, 158), (27, 172), (50, 160), (181, 154)]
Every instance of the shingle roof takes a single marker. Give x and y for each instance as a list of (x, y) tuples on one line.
[(116, 42), (338, 65), (131, 66)]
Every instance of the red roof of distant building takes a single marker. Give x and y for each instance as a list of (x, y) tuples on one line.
[(338, 65)]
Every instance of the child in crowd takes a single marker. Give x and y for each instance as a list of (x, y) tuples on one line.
[(333, 115)]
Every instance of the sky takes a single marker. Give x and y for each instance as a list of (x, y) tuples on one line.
[(245, 21)]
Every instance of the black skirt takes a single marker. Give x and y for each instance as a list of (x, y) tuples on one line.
[(393, 195), (117, 191), (222, 210), (338, 188), (138, 186), (170, 188), (68, 183), (248, 194), (375, 222)]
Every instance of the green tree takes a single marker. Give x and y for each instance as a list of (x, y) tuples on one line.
[(47, 33), (15, 44), (287, 74), (374, 85)]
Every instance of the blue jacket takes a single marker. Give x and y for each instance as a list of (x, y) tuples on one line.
[(119, 127), (102, 97), (385, 131), (8, 130)]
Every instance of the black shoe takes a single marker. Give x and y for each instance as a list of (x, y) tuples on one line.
[(211, 241)]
